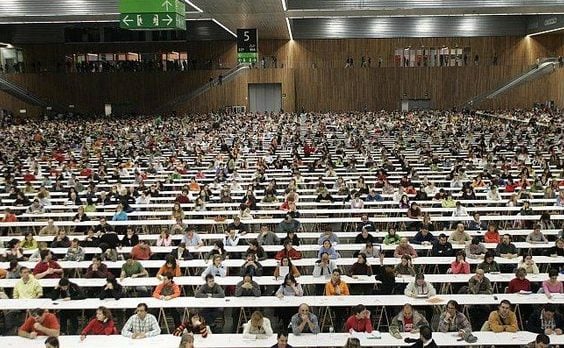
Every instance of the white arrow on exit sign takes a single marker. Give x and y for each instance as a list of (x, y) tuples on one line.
[(126, 20), (168, 20), (166, 4)]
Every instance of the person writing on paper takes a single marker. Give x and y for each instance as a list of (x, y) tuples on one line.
[(216, 268), (552, 285), (547, 321), (359, 321), (304, 321), (502, 320), (452, 320), (408, 320), (39, 323), (520, 283), (141, 325), (419, 287), (258, 326), (102, 324)]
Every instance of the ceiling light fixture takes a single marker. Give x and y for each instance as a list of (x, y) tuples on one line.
[(289, 29), (546, 31), (224, 27), (194, 6)]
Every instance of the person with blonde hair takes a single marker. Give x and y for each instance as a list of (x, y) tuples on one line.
[(258, 325)]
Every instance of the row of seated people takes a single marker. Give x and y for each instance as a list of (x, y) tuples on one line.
[(546, 319), (29, 287)]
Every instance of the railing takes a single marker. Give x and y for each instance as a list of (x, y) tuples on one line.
[(20, 93), (545, 65), (229, 75)]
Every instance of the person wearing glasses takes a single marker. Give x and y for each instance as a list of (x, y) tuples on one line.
[(452, 320)]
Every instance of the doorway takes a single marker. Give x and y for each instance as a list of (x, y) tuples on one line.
[(265, 97)]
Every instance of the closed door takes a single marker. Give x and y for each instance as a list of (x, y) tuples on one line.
[(265, 97)]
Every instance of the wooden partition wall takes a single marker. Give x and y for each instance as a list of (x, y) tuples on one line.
[(313, 75)]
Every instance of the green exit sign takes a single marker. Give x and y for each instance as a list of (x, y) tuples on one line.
[(152, 6), (152, 14), (152, 21)]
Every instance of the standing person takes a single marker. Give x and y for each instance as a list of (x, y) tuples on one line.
[(141, 325), (102, 324)]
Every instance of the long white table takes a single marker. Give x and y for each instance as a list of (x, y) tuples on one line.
[(421, 249), (302, 235), (272, 281), (273, 301), (305, 340)]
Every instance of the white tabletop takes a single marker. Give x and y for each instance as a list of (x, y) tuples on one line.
[(273, 301), (306, 340)]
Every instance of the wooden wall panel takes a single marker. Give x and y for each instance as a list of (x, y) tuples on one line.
[(328, 86), (235, 92)]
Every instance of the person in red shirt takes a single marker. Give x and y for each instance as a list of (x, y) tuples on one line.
[(492, 235), (141, 251), (103, 324), (359, 321), (9, 216), (288, 252), (520, 282), (47, 268), (28, 176), (39, 323)]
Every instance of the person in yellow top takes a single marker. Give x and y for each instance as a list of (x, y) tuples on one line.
[(336, 287), (27, 286), (504, 319)]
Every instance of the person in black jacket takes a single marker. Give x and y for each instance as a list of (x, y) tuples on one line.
[(111, 289), (182, 253), (67, 291), (251, 266), (546, 321), (425, 338), (130, 239)]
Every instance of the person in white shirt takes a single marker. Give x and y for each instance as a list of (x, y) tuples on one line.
[(420, 287), (258, 326), (493, 194)]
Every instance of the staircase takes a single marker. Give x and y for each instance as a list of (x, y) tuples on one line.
[(545, 66), (23, 94), (229, 75)]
